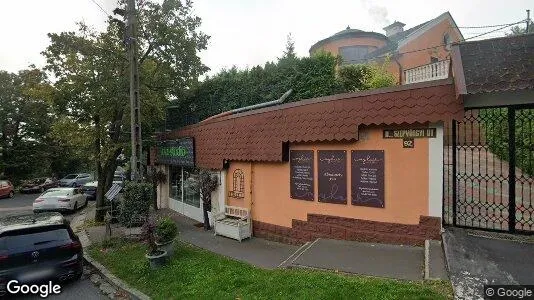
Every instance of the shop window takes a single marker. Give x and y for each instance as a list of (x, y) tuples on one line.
[(191, 187), (238, 184), (186, 188), (175, 183)]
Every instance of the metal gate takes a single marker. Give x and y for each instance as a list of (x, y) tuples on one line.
[(489, 169)]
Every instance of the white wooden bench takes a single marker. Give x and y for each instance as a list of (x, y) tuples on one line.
[(234, 223)]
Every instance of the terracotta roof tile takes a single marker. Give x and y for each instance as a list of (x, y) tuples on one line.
[(258, 135)]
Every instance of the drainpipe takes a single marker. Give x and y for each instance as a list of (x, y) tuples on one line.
[(400, 69), (251, 107), (264, 104)]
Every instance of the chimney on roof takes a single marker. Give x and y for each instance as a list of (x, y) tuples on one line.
[(394, 28)]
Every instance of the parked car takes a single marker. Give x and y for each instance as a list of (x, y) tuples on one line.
[(60, 199), (38, 247), (38, 185), (75, 180), (6, 189), (89, 190)]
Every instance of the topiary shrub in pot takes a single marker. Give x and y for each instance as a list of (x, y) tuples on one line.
[(136, 204), (166, 232), (156, 257)]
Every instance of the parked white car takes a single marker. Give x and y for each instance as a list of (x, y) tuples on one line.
[(60, 199)]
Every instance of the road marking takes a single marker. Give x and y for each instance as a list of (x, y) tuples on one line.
[(304, 250), (16, 208), (294, 253)]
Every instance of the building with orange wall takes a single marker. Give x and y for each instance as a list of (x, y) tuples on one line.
[(336, 195), (414, 54), (366, 166)]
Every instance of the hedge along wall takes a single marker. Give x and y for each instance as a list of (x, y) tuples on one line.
[(309, 77), (495, 121)]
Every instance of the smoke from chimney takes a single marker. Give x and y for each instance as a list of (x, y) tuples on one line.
[(379, 14)]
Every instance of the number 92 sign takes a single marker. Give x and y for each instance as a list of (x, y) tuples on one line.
[(408, 143)]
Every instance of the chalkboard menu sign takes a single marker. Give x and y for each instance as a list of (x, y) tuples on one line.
[(367, 178), (301, 164), (332, 176), (180, 152)]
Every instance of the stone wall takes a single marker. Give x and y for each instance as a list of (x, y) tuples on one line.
[(332, 227)]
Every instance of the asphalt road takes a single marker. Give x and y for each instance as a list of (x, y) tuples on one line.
[(81, 289), (18, 204)]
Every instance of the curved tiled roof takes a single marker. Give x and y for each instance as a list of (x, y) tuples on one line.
[(259, 135), (347, 33)]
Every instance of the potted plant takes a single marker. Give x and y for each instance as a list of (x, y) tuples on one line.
[(166, 232), (157, 257)]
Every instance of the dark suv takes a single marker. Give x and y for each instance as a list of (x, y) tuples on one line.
[(38, 247)]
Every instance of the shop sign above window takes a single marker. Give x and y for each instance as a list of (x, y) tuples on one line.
[(180, 152), (410, 133)]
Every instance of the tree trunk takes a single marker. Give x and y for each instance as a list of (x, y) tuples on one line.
[(100, 201), (205, 207), (155, 195)]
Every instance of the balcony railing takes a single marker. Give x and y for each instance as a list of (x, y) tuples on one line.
[(433, 71)]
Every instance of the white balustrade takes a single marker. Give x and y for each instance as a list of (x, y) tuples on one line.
[(433, 71)]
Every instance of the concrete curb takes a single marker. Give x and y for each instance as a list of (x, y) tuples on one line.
[(134, 293), (86, 242)]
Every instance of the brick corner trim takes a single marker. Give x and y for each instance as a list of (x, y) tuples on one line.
[(341, 228)]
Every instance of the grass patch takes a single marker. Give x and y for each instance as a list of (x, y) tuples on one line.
[(198, 274)]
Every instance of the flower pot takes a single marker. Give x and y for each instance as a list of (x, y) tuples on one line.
[(167, 246), (158, 260)]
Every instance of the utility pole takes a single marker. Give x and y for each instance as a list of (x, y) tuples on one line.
[(135, 108), (528, 19)]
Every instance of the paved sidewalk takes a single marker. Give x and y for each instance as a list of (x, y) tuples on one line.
[(255, 251), (390, 261), (393, 261)]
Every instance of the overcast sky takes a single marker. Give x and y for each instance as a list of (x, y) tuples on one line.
[(247, 32)]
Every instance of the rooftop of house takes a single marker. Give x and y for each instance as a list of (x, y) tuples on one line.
[(504, 64), (260, 134), (393, 41)]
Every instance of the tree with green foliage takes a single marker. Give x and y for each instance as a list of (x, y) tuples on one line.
[(290, 47), (92, 84), (27, 149), (364, 77)]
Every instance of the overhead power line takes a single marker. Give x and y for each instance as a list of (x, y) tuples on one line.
[(469, 38), (500, 28), (488, 26), (101, 8)]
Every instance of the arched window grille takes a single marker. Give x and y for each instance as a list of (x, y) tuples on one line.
[(238, 184)]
